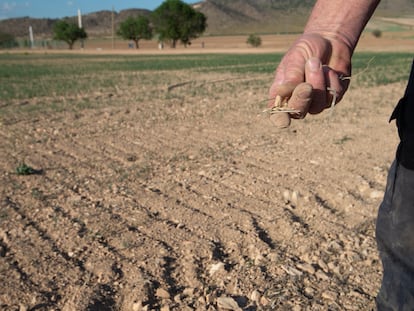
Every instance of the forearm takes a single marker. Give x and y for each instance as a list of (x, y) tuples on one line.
[(341, 20)]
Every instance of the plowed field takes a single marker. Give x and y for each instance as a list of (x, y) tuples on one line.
[(141, 198)]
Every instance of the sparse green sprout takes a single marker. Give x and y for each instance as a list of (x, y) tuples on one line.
[(24, 169)]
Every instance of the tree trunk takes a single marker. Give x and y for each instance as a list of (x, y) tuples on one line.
[(136, 44)]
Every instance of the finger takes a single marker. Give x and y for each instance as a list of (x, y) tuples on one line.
[(280, 120), (335, 85), (301, 100), (315, 76)]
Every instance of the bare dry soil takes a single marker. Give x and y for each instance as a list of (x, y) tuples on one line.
[(192, 201)]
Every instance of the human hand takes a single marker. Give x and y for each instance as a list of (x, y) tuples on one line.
[(310, 72)]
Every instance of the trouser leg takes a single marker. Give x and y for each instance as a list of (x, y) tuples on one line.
[(395, 238)]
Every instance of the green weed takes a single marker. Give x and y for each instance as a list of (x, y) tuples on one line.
[(24, 169)]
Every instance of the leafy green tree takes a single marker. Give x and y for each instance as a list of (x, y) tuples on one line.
[(135, 29), (254, 40), (7, 41), (176, 21), (68, 32)]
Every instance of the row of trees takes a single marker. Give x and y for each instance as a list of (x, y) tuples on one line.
[(173, 21)]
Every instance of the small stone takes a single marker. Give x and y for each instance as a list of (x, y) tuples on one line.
[(162, 293), (309, 292), (334, 268), (201, 300), (177, 298), (292, 271), (210, 298), (165, 308), (286, 196), (295, 198), (189, 291), (323, 265), (332, 265), (258, 260), (376, 194), (215, 268), (355, 293), (329, 295), (114, 189), (273, 257), (335, 246), (305, 267), (321, 275), (228, 303), (264, 301), (255, 296)]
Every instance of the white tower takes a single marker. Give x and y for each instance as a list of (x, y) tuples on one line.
[(79, 18), (31, 37)]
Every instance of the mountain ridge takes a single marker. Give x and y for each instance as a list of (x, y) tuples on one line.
[(224, 17)]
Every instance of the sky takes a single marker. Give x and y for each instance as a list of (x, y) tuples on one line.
[(62, 8)]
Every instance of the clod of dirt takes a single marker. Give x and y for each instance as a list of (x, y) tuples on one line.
[(162, 293), (216, 267), (255, 296), (228, 303)]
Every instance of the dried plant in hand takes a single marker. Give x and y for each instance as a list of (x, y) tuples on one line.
[(279, 112), (280, 105)]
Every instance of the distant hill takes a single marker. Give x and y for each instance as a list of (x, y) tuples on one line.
[(261, 16), (96, 24), (223, 17)]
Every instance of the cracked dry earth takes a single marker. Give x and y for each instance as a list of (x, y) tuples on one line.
[(191, 201)]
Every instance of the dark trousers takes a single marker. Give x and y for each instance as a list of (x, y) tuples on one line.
[(395, 223), (395, 238)]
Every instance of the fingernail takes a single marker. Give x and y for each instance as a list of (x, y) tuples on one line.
[(314, 64)]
